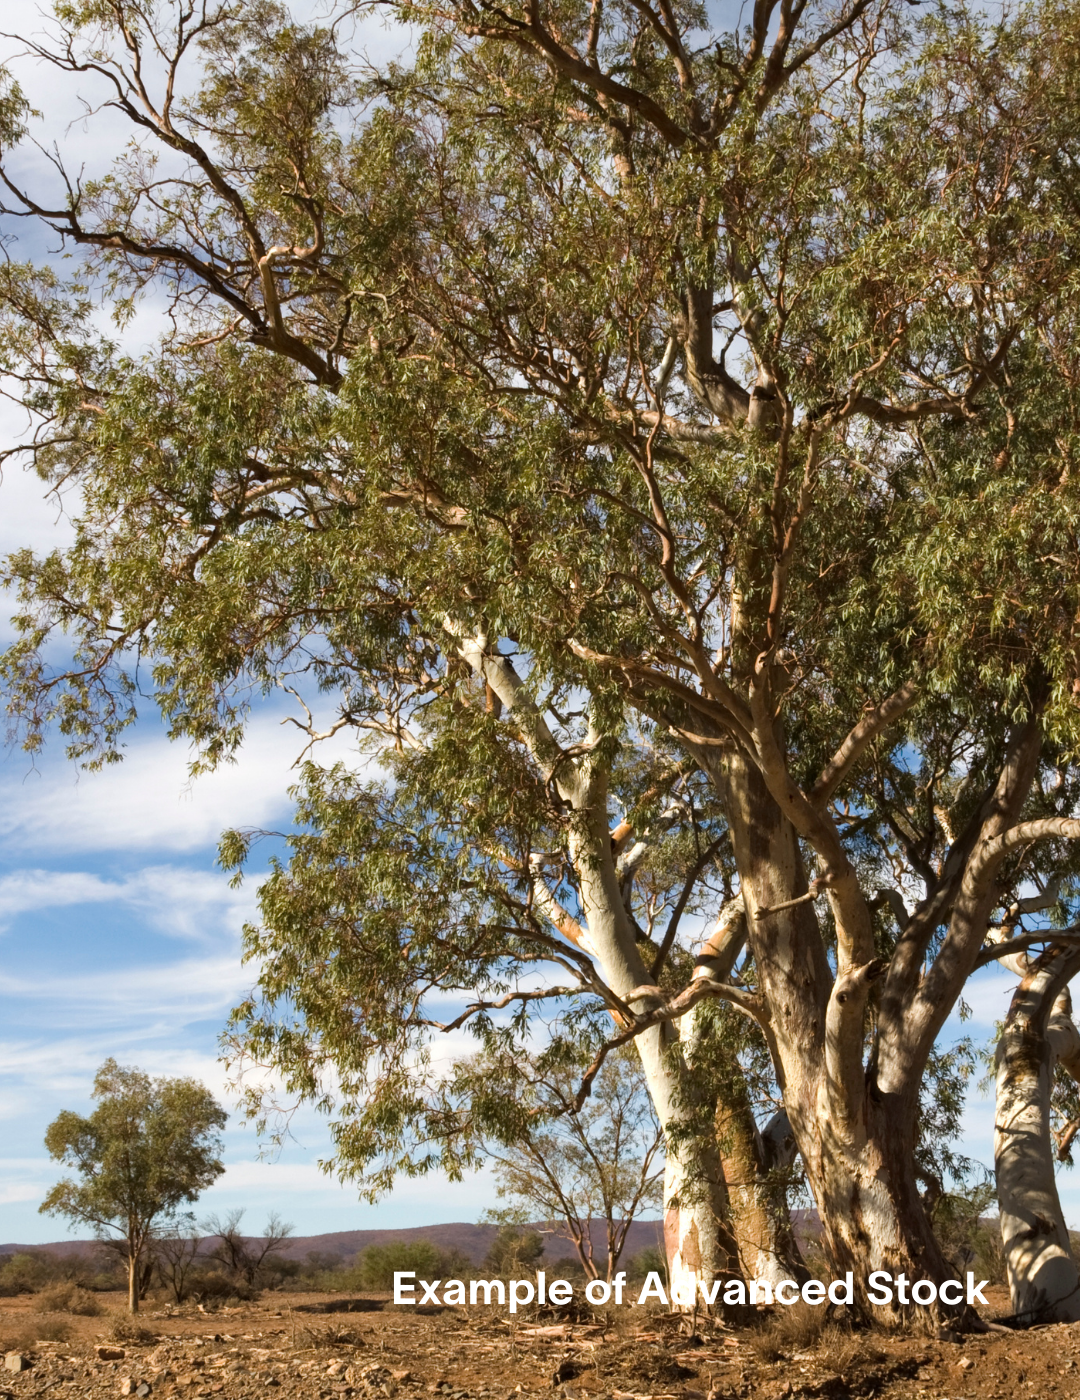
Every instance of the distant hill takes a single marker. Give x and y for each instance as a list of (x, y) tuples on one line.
[(473, 1241)]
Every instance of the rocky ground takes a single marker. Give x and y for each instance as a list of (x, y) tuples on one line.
[(320, 1347)]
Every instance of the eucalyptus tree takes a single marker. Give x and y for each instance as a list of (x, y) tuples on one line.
[(601, 1164), (439, 425), (148, 1148)]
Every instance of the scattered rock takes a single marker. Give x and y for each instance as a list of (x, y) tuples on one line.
[(110, 1353), (402, 1377), (966, 1363), (15, 1361)]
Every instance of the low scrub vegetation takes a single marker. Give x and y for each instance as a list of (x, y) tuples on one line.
[(34, 1271), (68, 1298)]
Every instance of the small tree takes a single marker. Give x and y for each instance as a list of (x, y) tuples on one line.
[(602, 1163), (175, 1253), (515, 1250), (150, 1146), (244, 1256)]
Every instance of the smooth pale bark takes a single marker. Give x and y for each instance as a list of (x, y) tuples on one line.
[(858, 1153), (133, 1283), (699, 1244), (755, 1165), (698, 1240), (1044, 1282)]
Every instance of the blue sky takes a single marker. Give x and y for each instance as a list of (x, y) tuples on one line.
[(118, 936)]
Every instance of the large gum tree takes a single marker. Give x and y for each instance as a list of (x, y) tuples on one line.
[(594, 390)]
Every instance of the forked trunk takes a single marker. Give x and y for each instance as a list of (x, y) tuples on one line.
[(1044, 1283), (857, 1145), (755, 1166)]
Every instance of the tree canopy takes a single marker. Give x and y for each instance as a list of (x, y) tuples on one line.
[(604, 412), (150, 1147)]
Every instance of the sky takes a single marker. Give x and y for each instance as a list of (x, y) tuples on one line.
[(120, 937)]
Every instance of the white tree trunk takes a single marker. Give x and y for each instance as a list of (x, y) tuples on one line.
[(696, 1239), (697, 1234), (1044, 1283)]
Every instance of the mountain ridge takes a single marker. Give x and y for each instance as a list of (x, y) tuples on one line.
[(472, 1240)]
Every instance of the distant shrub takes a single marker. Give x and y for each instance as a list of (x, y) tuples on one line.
[(22, 1273), (649, 1260), (332, 1280), (515, 1251), (214, 1286), (278, 1272), (68, 1298), (30, 1272), (378, 1264)]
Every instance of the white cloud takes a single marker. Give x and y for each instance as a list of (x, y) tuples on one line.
[(24, 1179), (149, 801), (205, 987), (181, 903)]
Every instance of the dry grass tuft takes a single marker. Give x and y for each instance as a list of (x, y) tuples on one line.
[(124, 1328), (27, 1337), (840, 1350), (328, 1337), (788, 1330), (68, 1298)]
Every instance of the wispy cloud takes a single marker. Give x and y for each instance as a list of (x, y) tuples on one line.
[(196, 986), (179, 902), (149, 802)]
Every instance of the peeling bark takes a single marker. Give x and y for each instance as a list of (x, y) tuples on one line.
[(860, 1163), (1044, 1282)]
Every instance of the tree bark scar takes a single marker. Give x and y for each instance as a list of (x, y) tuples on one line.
[(671, 1231), (691, 1247)]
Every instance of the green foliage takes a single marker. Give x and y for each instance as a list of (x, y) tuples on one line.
[(23, 1273), (149, 1147), (515, 1252), (650, 1260), (37, 1271), (378, 1263), (939, 1124)]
